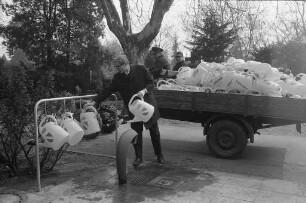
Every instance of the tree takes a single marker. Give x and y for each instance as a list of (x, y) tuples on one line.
[(290, 55), (211, 38), (46, 30), (134, 45), (290, 21), (247, 17)]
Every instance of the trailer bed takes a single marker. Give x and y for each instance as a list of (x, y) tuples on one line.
[(248, 105)]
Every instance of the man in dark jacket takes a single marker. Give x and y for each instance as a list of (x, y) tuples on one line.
[(161, 64), (132, 80), (180, 61)]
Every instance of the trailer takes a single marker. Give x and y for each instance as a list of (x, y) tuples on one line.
[(230, 120)]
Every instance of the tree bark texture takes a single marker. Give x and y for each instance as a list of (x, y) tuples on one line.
[(134, 45)]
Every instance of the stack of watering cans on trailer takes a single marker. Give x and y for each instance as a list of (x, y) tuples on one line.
[(239, 77)]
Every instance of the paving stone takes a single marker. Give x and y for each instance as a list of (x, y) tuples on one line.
[(186, 197), (220, 199), (300, 199), (302, 189), (242, 181), (214, 188), (282, 186), (269, 196), (239, 193)]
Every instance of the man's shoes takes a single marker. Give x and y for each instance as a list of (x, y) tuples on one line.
[(137, 162), (160, 159)]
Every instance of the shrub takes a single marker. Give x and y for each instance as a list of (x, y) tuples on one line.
[(20, 89)]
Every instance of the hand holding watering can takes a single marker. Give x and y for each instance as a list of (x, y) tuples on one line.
[(142, 110), (142, 93)]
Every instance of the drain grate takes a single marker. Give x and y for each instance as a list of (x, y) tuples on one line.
[(140, 177), (10, 198)]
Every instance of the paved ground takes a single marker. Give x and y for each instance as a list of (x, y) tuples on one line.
[(271, 170), (168, 183)]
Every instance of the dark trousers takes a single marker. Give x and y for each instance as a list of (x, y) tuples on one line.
[(155, 138)]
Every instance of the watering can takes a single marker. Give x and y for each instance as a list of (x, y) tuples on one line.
[(293, 87), (241, 81), (301, 77), (72, 127), (197, 75), (262, 69), (89, 120), (268, 88), (140, 109), (54, 136), (184, 75)]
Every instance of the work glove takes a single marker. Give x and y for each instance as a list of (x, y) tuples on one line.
[(141, 93)]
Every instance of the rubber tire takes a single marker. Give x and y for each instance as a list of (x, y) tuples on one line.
[(230, 130)]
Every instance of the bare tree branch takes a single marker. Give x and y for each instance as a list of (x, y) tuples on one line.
[(126, 18)]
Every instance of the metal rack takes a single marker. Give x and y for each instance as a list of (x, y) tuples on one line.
[(36, 127)]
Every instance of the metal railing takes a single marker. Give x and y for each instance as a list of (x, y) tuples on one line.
[(36, 127)]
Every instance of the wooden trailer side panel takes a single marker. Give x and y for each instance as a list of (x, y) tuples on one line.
[(276, 107), (248, 105)]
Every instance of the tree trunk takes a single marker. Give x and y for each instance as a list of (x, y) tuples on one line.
[(136, 45)]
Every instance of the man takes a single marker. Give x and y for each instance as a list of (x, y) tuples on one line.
[(132, 80), (161, 64), (180, 61)]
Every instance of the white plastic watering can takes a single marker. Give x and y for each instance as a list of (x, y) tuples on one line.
[(89, 120), (262, 69), (54, 136), (241, 81), (268, 88), (294, 87), (140, 109), (197, 75), (72, 127), (184, 75), (301, 77)]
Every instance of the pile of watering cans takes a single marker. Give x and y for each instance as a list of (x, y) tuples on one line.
[(57, 132), (239, 77)]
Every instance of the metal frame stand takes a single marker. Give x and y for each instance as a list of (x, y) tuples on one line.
[(36, 128)]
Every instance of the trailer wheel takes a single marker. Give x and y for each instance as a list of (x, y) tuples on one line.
[(226, 138)]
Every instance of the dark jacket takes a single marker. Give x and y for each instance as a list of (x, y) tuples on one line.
[(160, 63), (128, 85), (178, 65)]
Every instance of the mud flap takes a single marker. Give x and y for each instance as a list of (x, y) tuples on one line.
[(121, 153)]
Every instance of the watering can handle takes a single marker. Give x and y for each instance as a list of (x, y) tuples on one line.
[(180, 69), (171, 81), (42, 122), (131, 100), (92, 108), (161, 81), (68, 115)]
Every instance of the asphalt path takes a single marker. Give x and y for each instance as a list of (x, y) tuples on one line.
[(277, 152)]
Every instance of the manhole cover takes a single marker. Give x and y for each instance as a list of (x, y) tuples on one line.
[(10, 198), (166, 182), (140, 177)]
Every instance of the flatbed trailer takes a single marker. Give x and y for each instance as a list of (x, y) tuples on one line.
[(230, 120)]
